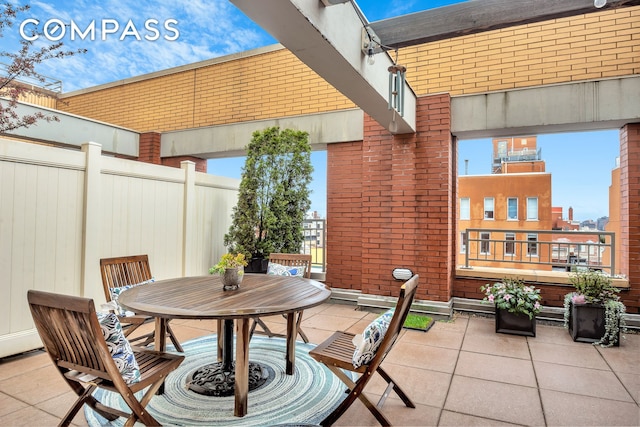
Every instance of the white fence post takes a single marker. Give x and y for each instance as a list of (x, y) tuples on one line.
[(90, 285), (189, 246)]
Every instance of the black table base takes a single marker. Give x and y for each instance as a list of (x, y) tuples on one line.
[(214, 380)]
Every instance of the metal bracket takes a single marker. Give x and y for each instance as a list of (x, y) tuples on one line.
[(370, 42)]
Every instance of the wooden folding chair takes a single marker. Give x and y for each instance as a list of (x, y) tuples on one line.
[(126, 271), (72, 335), (288, 260), (337, 354)]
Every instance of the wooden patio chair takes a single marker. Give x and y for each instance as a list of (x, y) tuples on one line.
[(302, 261), (120, 272), (337, 354), (73, 338)]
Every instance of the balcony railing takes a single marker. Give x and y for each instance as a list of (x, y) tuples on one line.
[(555, 250), (518, 156), (44, 82), (315, 239)]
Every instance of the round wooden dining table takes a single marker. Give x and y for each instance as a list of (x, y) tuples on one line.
[(203, 297)]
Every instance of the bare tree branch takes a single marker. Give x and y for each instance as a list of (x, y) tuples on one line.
[(22, 66)]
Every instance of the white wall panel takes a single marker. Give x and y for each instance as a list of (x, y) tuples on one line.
[(141, 210), (40, 227), (216, 197)]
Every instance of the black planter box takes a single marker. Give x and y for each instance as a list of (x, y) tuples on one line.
[(257, 265), (515, 323), (587, 323)]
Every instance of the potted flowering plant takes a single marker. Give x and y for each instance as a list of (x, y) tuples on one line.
[(593, 312), (516, 306), (231, 267)]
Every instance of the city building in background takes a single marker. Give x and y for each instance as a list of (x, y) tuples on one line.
[(506, 219)]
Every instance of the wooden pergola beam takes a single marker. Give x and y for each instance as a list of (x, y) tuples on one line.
[(476, 16)]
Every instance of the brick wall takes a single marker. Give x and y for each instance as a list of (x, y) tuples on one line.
[(344, 215), (552, 295), (582, 47), (630, 212), (149, 148), (275, 83), (201, 164), (390, 204), (255, 87)]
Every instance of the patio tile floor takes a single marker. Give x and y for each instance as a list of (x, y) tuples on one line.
[(459, 373)]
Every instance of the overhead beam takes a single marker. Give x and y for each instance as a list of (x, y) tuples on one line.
[(329, 41), (566, 107), (476, 16)]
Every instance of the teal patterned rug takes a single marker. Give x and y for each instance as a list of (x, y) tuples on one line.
[(303, 398)]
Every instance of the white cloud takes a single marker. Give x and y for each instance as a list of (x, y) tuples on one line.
[(208, 29)]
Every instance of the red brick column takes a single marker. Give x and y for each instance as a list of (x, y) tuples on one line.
[(149, 148), (201, 164), (406, 206), (149, 152), (629, 257), (344, 215)]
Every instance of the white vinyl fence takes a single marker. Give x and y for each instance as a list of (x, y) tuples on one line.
[(61, 210)]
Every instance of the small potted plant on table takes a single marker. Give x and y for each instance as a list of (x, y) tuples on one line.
[(516, 306), (231, 267), (593, 312)]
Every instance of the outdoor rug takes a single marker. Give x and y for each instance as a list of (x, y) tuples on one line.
[(305, 397)]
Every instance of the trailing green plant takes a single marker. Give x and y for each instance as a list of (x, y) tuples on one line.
[(614, 323), (595, 287), (513, 295), (273, 196)]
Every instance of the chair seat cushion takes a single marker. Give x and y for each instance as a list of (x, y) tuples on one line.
[(368, 342), (119, 347), (283, 270)]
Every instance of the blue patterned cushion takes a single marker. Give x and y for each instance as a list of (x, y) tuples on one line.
[(115, 293), (119, 347), (283, 270), (368, 342)]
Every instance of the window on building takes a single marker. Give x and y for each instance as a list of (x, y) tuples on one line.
[(463, 242), (485, 243), (532, 208), (488, 208), (465, 208), (512, 208), (532, 248), (510, 244)]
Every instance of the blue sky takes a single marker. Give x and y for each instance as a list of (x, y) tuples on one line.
[(212, 28)]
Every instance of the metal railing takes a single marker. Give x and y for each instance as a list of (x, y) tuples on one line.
[(315, 239), (40, 81), (518, 156), (517, 248)]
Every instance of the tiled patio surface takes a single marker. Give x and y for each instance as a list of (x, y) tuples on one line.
[(459, 373)]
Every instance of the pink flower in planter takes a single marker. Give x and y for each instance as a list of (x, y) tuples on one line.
[(507, 297), (578, 299), (536, 306), (490, 298)]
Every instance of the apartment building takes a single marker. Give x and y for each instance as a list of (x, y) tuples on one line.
[(505, 219), (500, 214)]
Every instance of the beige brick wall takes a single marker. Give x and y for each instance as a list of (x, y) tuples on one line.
[(584, 47), (276, 84), (273, 84)]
